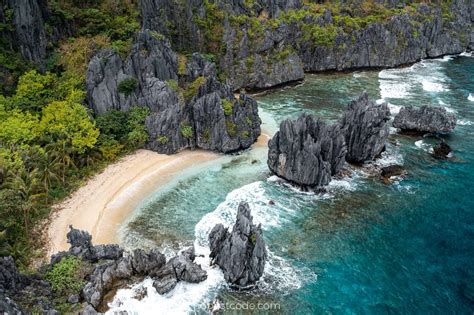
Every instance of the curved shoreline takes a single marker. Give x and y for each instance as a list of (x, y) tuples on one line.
[(109, 198)]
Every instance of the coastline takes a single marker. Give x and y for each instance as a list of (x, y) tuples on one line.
[(109, 198)]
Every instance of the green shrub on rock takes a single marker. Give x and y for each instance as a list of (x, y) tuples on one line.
[(65, 277), (187, 131), (227, 106), (127, 86), (193, 88), (163, 140)]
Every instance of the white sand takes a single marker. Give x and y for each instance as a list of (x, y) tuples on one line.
[(107, 199)]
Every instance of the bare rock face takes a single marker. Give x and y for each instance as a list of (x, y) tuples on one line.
[(179, 268), (282, 52), (241, 254), (150, 63), (366, 129), (81, 246), (425, 119), (15, 286), (8, 306), (189, 106), (307, 151), (10, 277), (28, 21), (112, 267)]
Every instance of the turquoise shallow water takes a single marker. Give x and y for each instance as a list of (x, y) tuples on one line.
[(362, 248)]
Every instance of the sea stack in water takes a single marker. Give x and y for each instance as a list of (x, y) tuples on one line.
[(426, 119), (442, 150), (240, 254), (307, 151), (366, 129)]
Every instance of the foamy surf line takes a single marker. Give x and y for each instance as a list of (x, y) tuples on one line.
[(279, 275)]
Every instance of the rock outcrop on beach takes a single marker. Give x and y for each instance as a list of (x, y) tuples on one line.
[(113, 267), (307, 151), (241, 254), (366, 129), (425, 119), (104, 268), (190, 107), (179, 268)]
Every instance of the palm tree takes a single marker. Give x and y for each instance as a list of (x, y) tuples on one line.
[(89, 157), (61, 153), (27, 185), (49, 170), (3, 172)]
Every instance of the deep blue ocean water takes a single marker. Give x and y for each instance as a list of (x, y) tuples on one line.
[(363, 247)]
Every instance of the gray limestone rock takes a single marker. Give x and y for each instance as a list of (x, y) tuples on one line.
[(366, 129), (241, 254), (307, 151), (425, 119)]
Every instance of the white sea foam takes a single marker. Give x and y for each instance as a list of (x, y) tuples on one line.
[(279, 275), (181, 300), (470, 97), (446, 58), (359, 75), (466, 54), (390, 157), (430, 86), (394, 109), (347, 184), (464, 122), (390, 89), (450, 110), (424, 146), (398, 184)]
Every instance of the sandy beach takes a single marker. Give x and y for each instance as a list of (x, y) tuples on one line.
[(107, 199)]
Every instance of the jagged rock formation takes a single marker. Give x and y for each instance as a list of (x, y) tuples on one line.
[(105, 269), (14, 285), (366, 129), (25, 30), (425, 119), (29, 30), (8, 306), (179, 268), (307, 151), (189, 106), (240, 254), (81, 246), (260, 44), (266, 43), (10, 277), (151, 62), (113, 267)]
